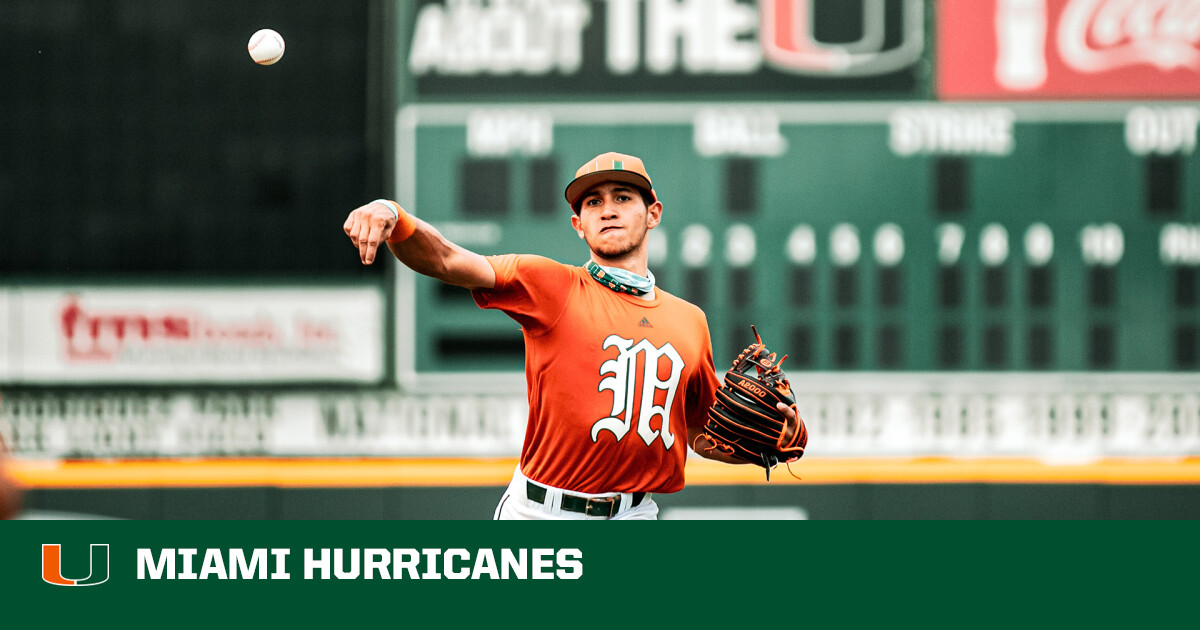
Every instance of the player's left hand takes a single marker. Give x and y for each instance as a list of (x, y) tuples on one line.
[(793, 420), (368, 226), (743, 423)]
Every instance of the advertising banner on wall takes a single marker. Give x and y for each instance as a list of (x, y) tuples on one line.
[(1067, 49), (116, 423), (665, 48), (158, 335), (1054, 418)]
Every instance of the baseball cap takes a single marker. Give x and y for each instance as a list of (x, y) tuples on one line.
[(609, 167)]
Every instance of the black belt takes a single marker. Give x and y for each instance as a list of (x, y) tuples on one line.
[(606, 507)]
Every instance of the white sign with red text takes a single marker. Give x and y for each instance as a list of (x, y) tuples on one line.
[(196, 335)]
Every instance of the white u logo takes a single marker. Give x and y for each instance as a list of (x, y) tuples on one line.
[(789, 44)]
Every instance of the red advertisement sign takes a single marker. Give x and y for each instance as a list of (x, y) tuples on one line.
[(1070, 49)]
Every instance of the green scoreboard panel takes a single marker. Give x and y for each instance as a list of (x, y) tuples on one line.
[(857, 236)]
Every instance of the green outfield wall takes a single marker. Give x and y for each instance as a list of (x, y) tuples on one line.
[(975, 501)]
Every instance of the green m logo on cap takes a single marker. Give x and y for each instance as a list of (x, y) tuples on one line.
[(618, 165), (52, 567)]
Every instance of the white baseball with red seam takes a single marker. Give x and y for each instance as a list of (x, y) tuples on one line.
[(266, 47)]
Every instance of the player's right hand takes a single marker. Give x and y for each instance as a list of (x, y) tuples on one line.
[(368, 226)]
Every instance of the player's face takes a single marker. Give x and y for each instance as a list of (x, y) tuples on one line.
[(613, 219)]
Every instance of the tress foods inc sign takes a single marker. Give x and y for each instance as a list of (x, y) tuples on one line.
[(1118, 49), (635, 47), (192, 335)]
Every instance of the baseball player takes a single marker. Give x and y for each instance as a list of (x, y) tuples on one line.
[(619, 373)]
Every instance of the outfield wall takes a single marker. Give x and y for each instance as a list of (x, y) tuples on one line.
[(821, 488), (842, 502)]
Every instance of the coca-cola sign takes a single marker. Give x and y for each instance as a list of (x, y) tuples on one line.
[(1106, 49)]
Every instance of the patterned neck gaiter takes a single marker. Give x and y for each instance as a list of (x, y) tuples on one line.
[(620, 280)]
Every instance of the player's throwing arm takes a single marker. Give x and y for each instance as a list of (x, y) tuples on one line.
[(416, 244)]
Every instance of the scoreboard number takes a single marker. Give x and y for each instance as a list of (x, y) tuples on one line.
[(1102, 244), (1179, 244), (950, 237), (1039, 244), (993, 245)]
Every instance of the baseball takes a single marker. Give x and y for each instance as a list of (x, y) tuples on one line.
[(266, 47)]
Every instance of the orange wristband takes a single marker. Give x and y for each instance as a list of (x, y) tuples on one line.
[(405, 225)]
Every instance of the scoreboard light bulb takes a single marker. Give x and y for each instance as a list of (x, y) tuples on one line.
[(802, 245), (697, 245), (656, 247), (844, 245), (950, 238), (889, 245), (993, 245), (739, 245), (1039, 244)]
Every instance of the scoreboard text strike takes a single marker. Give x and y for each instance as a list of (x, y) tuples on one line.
[(885, 236)]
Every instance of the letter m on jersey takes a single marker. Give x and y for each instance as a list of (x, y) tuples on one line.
[(622, 378)]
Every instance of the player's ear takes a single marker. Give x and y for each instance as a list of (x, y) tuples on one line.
[(654, 214), (577, 224)]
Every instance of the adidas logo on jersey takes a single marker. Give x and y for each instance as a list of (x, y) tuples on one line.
[(645, 323)]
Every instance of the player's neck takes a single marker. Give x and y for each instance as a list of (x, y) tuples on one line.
[(622, 280), (632, 263)]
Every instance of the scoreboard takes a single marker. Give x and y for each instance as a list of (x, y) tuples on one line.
[(856, 236), (882, 186)]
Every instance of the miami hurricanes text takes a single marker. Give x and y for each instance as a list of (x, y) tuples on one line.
[(360, 564)]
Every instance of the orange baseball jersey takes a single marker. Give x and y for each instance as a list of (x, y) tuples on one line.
[(613, 380)]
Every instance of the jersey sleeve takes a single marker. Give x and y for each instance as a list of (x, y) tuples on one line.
[(704, 385), (532, 290)]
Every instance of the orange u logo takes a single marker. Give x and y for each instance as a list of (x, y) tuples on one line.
[(52, 566)]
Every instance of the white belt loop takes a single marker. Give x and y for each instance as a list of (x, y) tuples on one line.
[(519, 480)]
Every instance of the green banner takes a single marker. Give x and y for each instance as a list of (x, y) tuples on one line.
[(835, 574)]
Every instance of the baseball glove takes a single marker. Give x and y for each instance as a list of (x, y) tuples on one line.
[(744, 421)]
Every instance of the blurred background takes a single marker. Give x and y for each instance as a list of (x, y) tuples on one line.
[(973, 226)]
